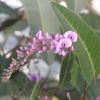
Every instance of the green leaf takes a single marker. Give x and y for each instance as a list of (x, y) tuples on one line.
[(65, 75), (94, 90), (84, 62), (92, 20), (35, 92), (88, 41), (75, 70), (98, 33)]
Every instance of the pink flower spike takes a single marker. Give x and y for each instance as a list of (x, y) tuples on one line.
[(59, 44)]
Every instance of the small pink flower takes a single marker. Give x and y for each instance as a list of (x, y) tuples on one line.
[(20, 54), (58, 37), (39, 35), (46, 98), (38, 43), (98, 98), (63, 45), (60, 44), (71, 35), (48, 36)]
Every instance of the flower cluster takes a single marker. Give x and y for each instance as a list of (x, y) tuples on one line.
[(39, 43), (62, 44), (59, 44)]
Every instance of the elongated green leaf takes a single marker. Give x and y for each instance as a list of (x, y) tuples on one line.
[(75, 71), (92, 20), (88, 41), (35, 91), (94, 90), (70, 74), (98, 32), (65, 75), (84, 62)]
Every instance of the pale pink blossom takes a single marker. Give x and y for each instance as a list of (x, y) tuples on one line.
[(59, 44)]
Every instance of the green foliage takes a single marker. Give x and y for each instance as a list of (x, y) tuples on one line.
[(65, 75), (89, 42), (36, 91), (94, 89), (92, 20)]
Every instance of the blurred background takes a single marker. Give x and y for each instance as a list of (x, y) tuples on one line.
[(19, 21)]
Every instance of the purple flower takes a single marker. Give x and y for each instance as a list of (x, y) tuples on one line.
[(63, 45), (54, 42), (71, 35), (60, 44), (34, 77), (38, 43), (57, 37)]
